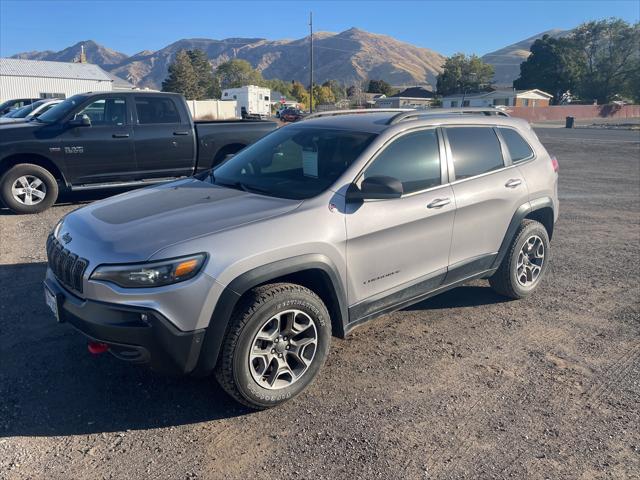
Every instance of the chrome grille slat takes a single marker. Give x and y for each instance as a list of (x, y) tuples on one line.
[(66, 266)]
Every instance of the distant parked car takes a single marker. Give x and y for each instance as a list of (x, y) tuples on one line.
[(6, 107), (28, 112), (290, 115)]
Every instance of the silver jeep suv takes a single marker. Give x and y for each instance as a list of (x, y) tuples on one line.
[(247, 271)]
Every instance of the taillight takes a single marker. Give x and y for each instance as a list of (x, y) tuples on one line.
[(555, 164)]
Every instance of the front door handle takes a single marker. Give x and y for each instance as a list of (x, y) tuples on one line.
[(439, 203), (513, 183), (181, 133), (120, 135)]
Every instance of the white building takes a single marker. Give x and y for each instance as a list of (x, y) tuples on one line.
[(41, 79), (508, 98), (251, 100)]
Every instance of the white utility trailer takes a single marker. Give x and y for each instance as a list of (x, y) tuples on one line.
[(251, 101)]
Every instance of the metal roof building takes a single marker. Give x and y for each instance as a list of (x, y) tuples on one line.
[(42, 79)]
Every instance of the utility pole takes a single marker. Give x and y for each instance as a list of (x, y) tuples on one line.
[(310, 62)]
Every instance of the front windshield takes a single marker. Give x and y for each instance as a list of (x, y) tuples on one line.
[(19, 112), (59, 111), (293, 162)]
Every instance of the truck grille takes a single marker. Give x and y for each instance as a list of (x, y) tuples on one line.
[(66, 266)]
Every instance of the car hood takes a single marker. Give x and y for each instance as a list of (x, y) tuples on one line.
[(132, 226), (5, 120)]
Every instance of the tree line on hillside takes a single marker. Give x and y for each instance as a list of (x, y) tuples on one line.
[(599, 61)]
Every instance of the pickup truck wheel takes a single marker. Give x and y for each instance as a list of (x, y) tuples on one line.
[(28, 188), (278, 340), (525, 263)]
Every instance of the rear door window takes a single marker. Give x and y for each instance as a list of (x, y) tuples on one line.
[(156, 110), (476, 150), (519, 149)]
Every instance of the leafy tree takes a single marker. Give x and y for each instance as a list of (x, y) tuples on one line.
[(183, 78), (611, 55), (379, 86), (553, 66), (204, 73), (323, 95), (299, 92), (600, 61), (338, 90), (462, 73), (281, 86), (237, 73)]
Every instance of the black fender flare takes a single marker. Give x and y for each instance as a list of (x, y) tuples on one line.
[(519, 215), (225, 305)]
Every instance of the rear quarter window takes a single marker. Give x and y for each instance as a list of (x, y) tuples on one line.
[(475, 150), (519, 149)]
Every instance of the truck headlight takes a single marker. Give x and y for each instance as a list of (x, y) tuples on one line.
[(152, 274)]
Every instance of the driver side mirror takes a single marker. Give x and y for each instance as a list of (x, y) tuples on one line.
[(80, 120), (378, 187)]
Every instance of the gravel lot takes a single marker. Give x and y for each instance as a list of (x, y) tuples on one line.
[(464, 385)]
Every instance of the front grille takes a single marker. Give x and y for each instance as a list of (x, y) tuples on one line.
[(66, 266)]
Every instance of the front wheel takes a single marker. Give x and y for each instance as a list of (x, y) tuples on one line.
[(277, 342), (28, 188), (525, 263)]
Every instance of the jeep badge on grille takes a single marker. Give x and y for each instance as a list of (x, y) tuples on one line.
[(66, 238)]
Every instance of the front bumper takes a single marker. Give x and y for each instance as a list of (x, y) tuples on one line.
[(134, 334)]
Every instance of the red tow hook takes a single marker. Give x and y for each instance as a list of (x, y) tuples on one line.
[(96, 348)]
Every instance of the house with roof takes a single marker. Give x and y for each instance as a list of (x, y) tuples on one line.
[(507, 98), (20, 78), (412, 97)]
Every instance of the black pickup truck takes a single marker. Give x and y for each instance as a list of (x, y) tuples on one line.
[(112, 139)]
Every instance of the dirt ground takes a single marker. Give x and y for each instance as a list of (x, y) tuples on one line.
[(464, 385)]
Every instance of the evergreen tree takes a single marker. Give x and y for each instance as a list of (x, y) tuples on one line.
[(182, 77)]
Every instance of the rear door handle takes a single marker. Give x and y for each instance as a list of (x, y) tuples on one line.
[(513, 183), (439, 203), (120, 135), (181, 133)]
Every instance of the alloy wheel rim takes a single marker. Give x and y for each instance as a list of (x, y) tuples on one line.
[(29, 190), (283, 349), (530, 261)]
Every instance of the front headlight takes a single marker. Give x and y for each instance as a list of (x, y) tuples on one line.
[(152, 274), (57, 228)]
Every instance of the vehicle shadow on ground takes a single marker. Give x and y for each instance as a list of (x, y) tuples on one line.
[(464, 296), (51, 386)]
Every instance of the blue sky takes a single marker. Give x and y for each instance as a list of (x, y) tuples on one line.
[(445, 26)]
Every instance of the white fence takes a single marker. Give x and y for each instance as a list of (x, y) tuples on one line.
[(212, 109)]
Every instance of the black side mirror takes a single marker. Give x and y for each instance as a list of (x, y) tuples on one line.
[(378, 188), (80, 120)]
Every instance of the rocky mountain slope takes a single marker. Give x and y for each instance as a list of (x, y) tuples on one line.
[(348, 56)]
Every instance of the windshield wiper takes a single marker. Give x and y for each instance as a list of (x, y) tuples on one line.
[(242, 186)]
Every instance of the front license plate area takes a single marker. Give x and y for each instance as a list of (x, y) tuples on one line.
[(52, 303)]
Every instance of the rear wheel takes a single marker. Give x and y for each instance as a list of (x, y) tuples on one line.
[(28, 188), (525, 263), (277, 342)]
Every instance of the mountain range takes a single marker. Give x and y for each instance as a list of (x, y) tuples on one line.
[(350, 56)]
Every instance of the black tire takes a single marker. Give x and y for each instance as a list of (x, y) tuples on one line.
[(505, 280), (255, 308), (49, 187)]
